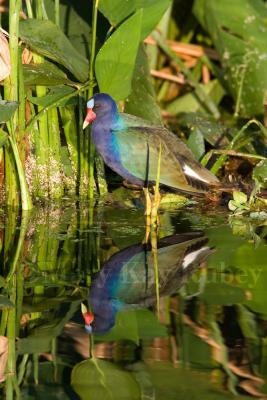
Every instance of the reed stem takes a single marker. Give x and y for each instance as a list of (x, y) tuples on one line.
[(90, 94), (57, 15), (26, 202)]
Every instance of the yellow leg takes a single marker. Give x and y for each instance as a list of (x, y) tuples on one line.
[(148, 205), (148, 208), (155, 207)]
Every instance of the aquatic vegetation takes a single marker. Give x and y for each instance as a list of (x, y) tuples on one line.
[(174, 307), (52, 74)]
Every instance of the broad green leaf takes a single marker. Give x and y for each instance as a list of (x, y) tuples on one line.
[(153, 11), (75, 21), (47, 39), (115, 61), (222, 293), (190, 103), (117, 11), (3, 137), (238, 31), (196, 143), (142, 100), (214, 132), (7, 109), (239, 264), (104, 378), (134, 325), (54, 96), (232, 205), (45, 74)]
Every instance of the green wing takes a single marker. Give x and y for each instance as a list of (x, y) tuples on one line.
[(179, 168), (139, 153)]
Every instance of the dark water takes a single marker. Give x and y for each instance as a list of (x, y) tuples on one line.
[(181, 316)]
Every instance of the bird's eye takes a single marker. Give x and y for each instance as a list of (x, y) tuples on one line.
[(97, 105)]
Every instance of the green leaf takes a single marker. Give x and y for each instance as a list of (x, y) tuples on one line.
[(115, 61), (196, 143), (241, 43), (240, 197), (153, 12), (47, 39), (232, 205), (142, 100), (238, 263), (134, 325), (104, 378), (53, 96), (118, 10), (213, 131), (75, 21), (7, 109), (222, 293), (45, 74)]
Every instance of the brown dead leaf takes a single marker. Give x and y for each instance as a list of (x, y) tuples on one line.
[(5, 66), (3, 356), (251, 388), (26, 56)]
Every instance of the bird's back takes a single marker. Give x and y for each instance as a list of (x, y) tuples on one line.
[(138, 145)]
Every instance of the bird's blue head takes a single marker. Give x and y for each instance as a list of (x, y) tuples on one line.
[(101, 105)]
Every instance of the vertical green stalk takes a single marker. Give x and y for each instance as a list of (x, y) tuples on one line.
[(15, 54), (11, 335), (83, 154), (41, 182), (14, 9), (154, 246), (25, 195), (90, 94), (71, 131), (93, 47), (156, 202), (22, 368), (15, 285), (56, 184), (22, 106), (29, 8), (57, 15), (11, 93), (17, 247)]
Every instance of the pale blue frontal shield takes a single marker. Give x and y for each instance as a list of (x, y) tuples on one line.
[(90, 103)]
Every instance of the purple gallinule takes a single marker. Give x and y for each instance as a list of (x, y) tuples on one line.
[(130, 146), (127, 280)]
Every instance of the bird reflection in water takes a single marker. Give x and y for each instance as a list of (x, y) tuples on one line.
[(137, 276)]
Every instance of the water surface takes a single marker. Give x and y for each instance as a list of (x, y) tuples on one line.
[(181, 316)]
